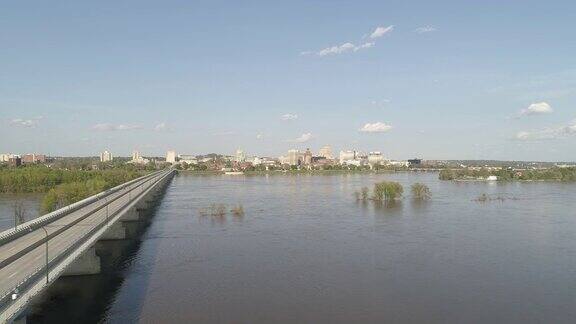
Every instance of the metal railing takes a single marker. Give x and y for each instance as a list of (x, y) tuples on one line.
[(38, 273), (25, 228)]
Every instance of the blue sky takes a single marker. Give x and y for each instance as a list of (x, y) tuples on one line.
[(440, 80)]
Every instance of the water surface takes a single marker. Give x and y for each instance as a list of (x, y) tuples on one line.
[(306, 251), (31, 203)]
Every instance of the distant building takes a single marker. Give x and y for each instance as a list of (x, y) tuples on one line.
[(106, 156), (137, 159), (6, 157), (240, 156), (400, 163), (257, 161), (347, 156), (15, 161), (326, 152), (375, 158), (33, 158), (171, 157), (293, 157), (307, 158), (413, 162), (188, 159)]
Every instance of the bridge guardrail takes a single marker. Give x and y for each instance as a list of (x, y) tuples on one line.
[(14, 233), (39, 272)]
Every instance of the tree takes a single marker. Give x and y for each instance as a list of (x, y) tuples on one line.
[(387, 190), (421, 191)]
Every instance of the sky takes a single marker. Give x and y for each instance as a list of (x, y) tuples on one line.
[(487, 79)]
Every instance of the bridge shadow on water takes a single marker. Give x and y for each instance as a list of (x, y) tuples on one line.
[(87, 299)]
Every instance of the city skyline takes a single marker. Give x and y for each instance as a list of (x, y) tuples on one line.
[(447, 81)]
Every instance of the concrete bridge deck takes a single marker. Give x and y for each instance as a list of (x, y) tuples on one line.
[(59, 243)]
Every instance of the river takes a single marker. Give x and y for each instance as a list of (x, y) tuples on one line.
[(305, 251)]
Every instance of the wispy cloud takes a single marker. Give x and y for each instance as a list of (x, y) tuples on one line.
[(538, 108), (27, 123), (161, 127), (425, 29), (377, 127), (302, 139), (108, 127), (349, 47), (548, 133), (381, 31), (289, 117)]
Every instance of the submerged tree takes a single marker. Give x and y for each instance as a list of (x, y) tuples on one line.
[(387, 190), (421, 191), (364, 193)]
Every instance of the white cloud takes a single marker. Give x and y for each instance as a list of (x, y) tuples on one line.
[(303, 138), (547, 133), (259, 136), (381, 31), (346, 47), (538, 108), (28, 123), (350, 47), (161, 127), (107, 127), (365, 45), (425, 29), (289, 117), (377, 127)]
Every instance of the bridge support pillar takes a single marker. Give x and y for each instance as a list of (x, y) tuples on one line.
[(87, 264), (115, 232)]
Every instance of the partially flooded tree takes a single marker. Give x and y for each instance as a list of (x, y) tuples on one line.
[(19, 213), (421, 191)]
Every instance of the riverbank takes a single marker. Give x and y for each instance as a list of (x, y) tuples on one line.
[(485, 174)]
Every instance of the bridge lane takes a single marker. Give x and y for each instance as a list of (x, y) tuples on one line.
[(21, 268)]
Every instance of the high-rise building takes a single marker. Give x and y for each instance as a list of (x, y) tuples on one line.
[(307, 157), (346, 156), (240, 156), (326, 152), (171, 157), (106, 156), (137, 159), (375, 158), (293, 157)]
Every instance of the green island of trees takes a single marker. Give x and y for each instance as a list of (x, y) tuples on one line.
[(63, 186), (551, 174)]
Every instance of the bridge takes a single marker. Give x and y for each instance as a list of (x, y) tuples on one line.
[(61, 243)]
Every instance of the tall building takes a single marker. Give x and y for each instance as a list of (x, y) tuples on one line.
[(307, 157), (137, 159), (326, 152), (171, 157), (106, 156), (293, 157), (375, 158), (346, 156), (240, 156)]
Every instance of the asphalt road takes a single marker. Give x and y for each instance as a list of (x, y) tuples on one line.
[(26, 263)]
